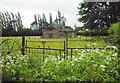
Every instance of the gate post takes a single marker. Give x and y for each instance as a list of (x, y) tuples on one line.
[(23, 45), (66, 49)]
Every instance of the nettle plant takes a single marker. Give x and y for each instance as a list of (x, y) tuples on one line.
[(90, 65), (85, 65)]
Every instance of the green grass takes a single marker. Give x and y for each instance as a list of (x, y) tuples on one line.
[(75, 43)]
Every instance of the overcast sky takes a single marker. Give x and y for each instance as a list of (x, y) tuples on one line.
[(27, 9)]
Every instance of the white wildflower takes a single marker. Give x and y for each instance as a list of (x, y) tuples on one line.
[(103, 69), (102, 66), (46, 60), (103, 50), (93, 44), (62, 60), (73, 56), (105, 61), (9, 57), (97, 49), (78, 36), (59, 62), (72, 64), (7, 63), (92, 61), (69, 57), (54, 58), (82, 55), (71, 70), (76, 49), (80, 58), (58, 57), (108, 58), (83, 51), (115, 54), (114, 47), (76, 59)]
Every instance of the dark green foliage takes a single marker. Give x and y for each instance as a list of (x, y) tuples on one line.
[(92, 33), (59, 17), (56, 20), (98, 15), (115, 33), (11, 21), (41, 23), (50, 18)]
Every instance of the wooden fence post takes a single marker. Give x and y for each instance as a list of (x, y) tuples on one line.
[(66, 49), (43, 49), (26, 48), (23, 45), (71, 53)]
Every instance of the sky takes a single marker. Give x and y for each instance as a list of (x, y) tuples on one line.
[(27, 9)]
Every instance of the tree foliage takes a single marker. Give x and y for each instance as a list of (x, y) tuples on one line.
[(115, 33), (98, 16), (50, 18), (11, 21), (11, 25), (41, 23)]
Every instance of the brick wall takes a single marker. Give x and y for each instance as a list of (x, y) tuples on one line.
[(56, 33)]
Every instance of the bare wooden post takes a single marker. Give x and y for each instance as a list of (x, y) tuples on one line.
[(66, 49), (71, 53), (23, 45), (60, 54), (49, 50), (26, 46), (43, 49)]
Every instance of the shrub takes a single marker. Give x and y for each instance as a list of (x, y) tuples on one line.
[(114, 32)]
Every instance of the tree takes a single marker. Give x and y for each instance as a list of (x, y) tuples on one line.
[(50, 18), (0, 24), (59, 17), (36, 21), (39, 23), (11, 21), (44, 21), (56, 20), (19, 22), (63, 19), (98, 16)]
